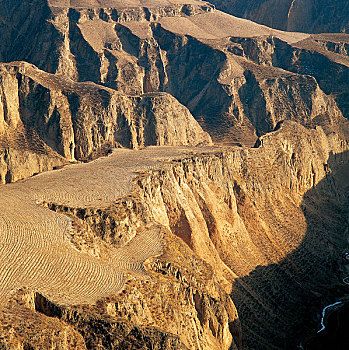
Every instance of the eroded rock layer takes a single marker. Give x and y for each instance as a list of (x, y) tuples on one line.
[(188, 246), (236, 77), (247, 219), (54, 121)]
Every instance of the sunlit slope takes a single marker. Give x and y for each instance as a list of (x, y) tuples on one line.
[(36, 251)]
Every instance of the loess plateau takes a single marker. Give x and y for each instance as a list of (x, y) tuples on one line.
[(171, 176)]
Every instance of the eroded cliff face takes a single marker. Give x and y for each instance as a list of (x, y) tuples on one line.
[(47, 121), (17, 164), (178, 247), (243, 222), (238, 79)]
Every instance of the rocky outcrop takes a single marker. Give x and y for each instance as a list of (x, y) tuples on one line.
[(167, 247), (293, 15), (311, 91), (248, 220), (127, 11), (54, 121), (167, 304), (245, 209), (238, 79), (18, 163), (219, 212)]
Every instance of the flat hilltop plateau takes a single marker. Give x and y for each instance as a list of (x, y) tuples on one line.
[(49, 263), (171, 177)]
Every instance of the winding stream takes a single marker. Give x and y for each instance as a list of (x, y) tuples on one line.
[(336, 305), (324, 314), (345, 281)]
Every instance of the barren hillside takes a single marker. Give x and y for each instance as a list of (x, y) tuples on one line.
[(172, 177), (56, 120), (237, 78)]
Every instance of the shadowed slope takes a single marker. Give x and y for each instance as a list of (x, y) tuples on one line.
[(208, 60), (280, 304), (311, 16), (228, 214)]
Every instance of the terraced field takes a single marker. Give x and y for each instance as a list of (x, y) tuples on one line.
[(35, 250)]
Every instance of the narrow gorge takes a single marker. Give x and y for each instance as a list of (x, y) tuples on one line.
[(172, 177)]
